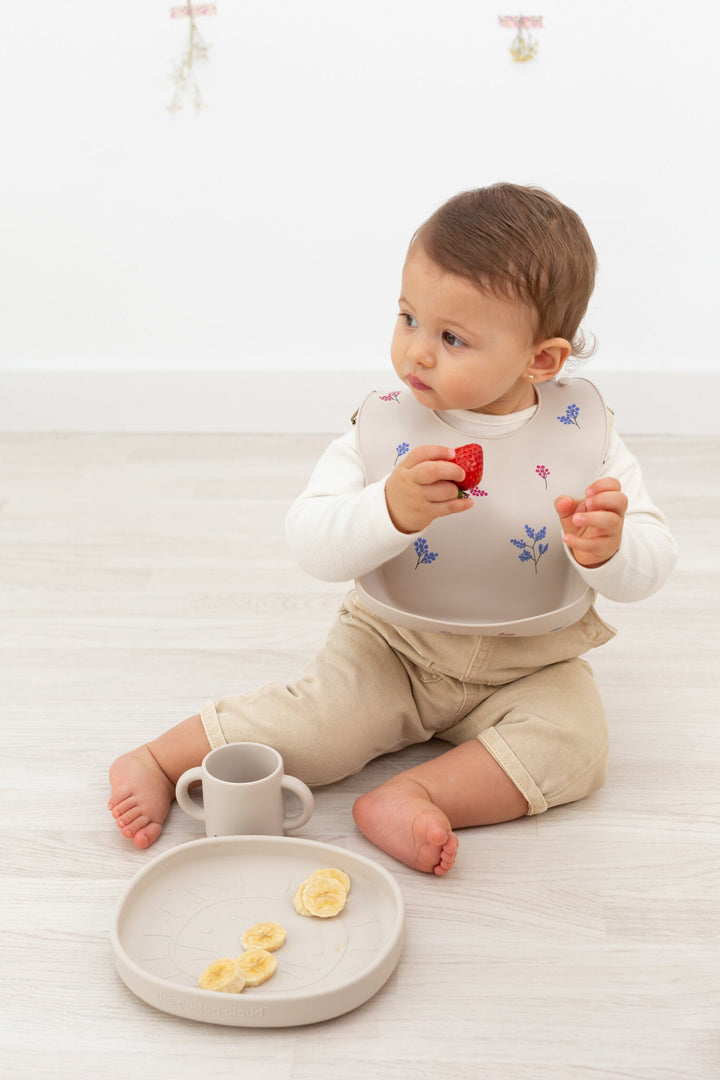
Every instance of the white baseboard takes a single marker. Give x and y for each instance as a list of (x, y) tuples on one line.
[(133, 400)]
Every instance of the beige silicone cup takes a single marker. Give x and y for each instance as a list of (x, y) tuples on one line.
[(243, 787)]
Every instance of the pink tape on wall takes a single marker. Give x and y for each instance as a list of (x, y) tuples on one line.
[(193, 9), (520, 21)]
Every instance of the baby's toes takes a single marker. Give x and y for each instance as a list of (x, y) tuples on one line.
[(139, 821), (147, 835), (436, 833), (125, 807), (446, 860), (130, 815), (117, 799), (447, 855)]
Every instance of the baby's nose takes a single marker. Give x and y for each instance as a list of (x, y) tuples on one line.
[(420, 352)]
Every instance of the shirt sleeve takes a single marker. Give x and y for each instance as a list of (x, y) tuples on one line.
[(648, 552), (339, 528)]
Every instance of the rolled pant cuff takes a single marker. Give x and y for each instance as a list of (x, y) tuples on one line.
[(211, 723), (496, 745)]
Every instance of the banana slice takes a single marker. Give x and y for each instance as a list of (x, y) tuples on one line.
[(223, 976), (264, 935), (257, 965), (298, 902), (333, 872), (319, 894), (323, 896)]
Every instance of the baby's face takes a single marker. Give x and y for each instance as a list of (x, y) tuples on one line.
[(458, 347)]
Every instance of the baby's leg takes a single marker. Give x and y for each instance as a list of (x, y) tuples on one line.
[(143, 781), (412, 815), (326, 725)]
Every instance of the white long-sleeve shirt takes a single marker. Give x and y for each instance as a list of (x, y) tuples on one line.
[(339, 528)]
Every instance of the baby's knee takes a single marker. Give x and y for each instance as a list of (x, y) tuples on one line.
[(558, 760), (589, 776)]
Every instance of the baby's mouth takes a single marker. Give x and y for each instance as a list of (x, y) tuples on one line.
[(417, 384)]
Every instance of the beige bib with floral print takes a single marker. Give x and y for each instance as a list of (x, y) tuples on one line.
[(501, 567)]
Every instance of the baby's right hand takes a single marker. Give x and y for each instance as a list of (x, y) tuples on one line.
[(422, 487)]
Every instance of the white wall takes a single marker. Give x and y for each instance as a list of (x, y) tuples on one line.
[(267, 234)]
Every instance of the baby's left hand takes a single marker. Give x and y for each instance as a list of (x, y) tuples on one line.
[(592, 526)]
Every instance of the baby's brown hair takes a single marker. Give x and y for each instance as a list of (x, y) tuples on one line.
[(519, 243)]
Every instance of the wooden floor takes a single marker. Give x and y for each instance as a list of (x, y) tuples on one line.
[(141, 576)]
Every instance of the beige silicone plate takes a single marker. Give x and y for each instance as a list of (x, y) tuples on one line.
[(192, 904)]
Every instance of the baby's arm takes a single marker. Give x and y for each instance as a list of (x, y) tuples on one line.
[(621, 543), (339, 528)]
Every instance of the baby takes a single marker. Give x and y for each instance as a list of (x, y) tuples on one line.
[(471, 608)]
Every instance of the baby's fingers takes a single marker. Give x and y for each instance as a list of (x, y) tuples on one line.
[(565, 507), (455, 505), (597, 523), (613, 501), (605, 483), (427, 465), (606, 494), (420, 454)]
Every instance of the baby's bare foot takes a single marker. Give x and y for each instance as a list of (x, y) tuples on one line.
[(141, 796), (401, 819)]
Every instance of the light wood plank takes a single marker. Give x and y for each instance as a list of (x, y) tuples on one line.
[(143, 575)]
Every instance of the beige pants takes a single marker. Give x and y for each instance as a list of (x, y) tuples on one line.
[(376, 688)]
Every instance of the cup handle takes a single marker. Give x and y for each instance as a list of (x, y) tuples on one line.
[(183, 796), (307, 801)]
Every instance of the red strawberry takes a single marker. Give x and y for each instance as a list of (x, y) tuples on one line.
[(469, 458)]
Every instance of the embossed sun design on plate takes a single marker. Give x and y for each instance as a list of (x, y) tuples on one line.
[(192, 904)]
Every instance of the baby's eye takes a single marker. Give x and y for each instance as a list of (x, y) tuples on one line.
[(410, 320), (453, 340)]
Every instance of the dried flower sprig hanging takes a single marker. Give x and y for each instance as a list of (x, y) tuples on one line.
[(523, 46), (183, 70)]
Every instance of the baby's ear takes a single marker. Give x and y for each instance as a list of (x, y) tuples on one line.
[(548, 359)]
